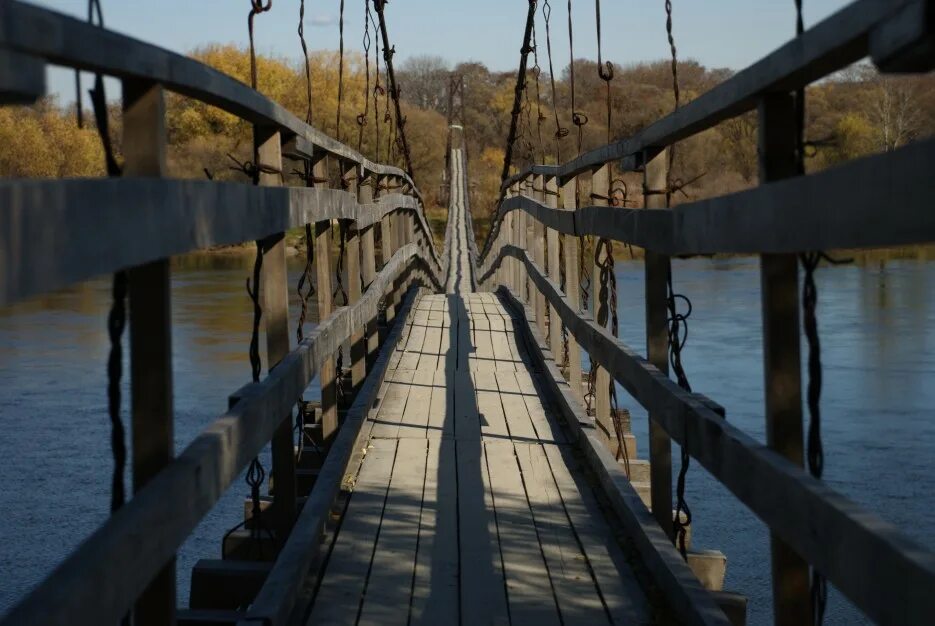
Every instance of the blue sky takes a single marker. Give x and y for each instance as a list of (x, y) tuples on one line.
[(718, 33)]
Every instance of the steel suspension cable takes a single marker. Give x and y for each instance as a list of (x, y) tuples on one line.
[(518, 89), (362, 117), (560, 131)]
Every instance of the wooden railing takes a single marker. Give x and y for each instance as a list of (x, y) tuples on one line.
[(876, 201), (54, 233)]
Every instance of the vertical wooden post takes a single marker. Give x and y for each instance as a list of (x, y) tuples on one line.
[(388, 232), (538, 246), (555, 324), (144, 139), (657, 342), (781, 359), (368, 266), (275, 304), (600, 185), (572, 287), (529, 238), (358, 349), (326, 373), (520, 238)]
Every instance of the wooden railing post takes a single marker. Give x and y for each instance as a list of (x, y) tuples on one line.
[(555, 324), (275, 305), (358, 348), (781, 359), (600, 184), (326, 373), (529, 238), (368, 267), (572, 287), (144, 140), (656, 267), (520, 238), (538, 247)]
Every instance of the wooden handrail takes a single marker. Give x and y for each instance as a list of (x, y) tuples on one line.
[(96, 226), (834, 534), (834, 43), (131, 546), (74, 43), (875, 201)]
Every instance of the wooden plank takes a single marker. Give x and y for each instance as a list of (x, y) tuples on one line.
[(685, 595), (569, 568), (483, 590), (514, 406), (413, 348), (441, 410), (389, 586), (656, 268), (415, 417), (490, 409), (547, 428), (815, 520), (345, 579), (431, 348), (435, 589), (153, 446), (623, 597), (779, 287), (389, 415), (529, 585), (280, 592)]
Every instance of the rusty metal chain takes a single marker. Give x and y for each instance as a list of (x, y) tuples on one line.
[(560, 131), (378, 90), (578, 118), (394, 90), (256, 7), (308, 67), (677, 324), (604, 70), (518, 89), (337, 124), (536, 71), (362, 117)]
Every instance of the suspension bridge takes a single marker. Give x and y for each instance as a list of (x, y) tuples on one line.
[(461, 466)]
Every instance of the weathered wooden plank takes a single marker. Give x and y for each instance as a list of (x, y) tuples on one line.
[(435, 589), (389, 415), (490, 409), (624, 598), (389, 585), (529, 585), (441, 409), (689, 601), (279, 594), (346, 577), (816, 521), (415, 417), (547, 428), (431, 347), (575, 589), (514, 406), (483, 591), (572, 280)]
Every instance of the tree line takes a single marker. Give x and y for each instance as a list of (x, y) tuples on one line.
[(851, 114)]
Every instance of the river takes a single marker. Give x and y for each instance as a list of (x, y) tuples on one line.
[(877, 351)]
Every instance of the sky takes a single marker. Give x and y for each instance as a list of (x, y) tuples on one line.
[(718, 33)]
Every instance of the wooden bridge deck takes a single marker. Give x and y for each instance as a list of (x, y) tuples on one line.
[(470, 503)]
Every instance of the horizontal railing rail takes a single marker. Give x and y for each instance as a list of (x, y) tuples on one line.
[(823, 526), (880, 28), (73, 43), (135, 543), (96, 226), (875, 201)]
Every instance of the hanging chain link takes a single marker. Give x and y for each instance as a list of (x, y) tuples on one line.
[(378, 91), (604, 70), (560, 131), (337, 123), (578, 118), (810, 261), (536, 71), (363, 116)]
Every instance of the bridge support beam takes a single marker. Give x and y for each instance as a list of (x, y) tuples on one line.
[(326, 373), (368, 266), (538, 248), (275, 302), (781, 358), (358, 349), (656, 267), (144, 141)]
